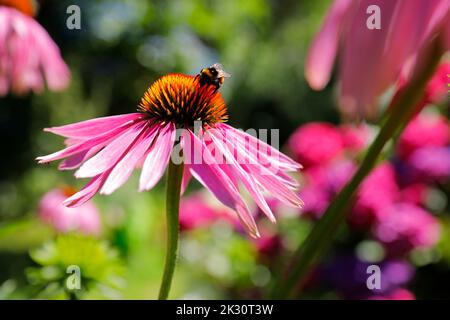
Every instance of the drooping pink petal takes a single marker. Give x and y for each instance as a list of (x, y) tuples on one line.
[(321, 55), (209, 174), (28, 56), (157, 158), (94, 127), (260, 149), (55, 70), (274, 186), (88, 191), (242, 175)]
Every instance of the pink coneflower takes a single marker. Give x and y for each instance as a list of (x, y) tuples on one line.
[(84, 219), (27, 53), (108, 149), (371, 60)]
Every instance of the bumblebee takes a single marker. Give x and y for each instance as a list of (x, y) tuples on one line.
[(214, 75)]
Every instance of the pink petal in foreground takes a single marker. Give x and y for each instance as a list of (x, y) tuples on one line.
[(93, 127), (101, 139), (124, 168), (87, 192), (157, 158), (246, 179), (321, 55), (262, 149), (76, 160), (109, 156), (209, 174)]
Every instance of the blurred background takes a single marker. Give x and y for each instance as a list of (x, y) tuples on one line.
[(400, 220)]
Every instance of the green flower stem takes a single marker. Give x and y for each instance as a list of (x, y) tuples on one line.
[(320, 238), (174, 177)]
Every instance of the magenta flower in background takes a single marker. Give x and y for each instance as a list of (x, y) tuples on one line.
[(356, 137), (414, 193), (378, 191), (28, 55), (323, 183), (425, 130), (373, 59), (316, 143), (404, 226), (84, 219), (436, 89), (220, 157)]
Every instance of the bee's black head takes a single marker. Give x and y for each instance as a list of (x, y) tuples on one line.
[(213, 71)]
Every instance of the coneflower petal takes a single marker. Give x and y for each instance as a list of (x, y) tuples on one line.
[(109, 156), (102, 139), (157, 158), (124, 167), (259, 148), (274, 186), (246, 179), (76, 160), (210, 175), (94, 127), (87, 192)]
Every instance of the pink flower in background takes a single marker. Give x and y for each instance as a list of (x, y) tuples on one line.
[(196, 212), (316, 143), (323, 183), (28, 55), (378, 191), (425, 130), (356, 137), (414, 193), (108, 149), (404, 226), (372, 60), (84, 219)]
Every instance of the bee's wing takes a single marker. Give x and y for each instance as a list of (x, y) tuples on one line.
[(220, 70)]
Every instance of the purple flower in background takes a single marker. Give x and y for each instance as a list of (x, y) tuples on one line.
[(84, 219), (348, 276), (27, 54), (391, 49), (404, 226), (432, 163)]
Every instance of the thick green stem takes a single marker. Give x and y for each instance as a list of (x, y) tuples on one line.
[(174, 176), (314, 247)]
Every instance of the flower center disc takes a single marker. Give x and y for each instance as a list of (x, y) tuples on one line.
[(181, 99)]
